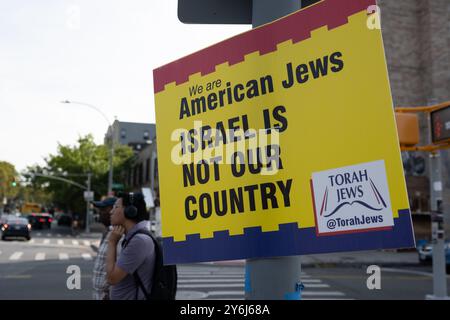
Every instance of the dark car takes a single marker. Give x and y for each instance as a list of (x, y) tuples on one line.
[(40, 220), (65, 220), (16, 227)]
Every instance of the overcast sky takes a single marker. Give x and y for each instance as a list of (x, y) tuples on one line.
[(100, 52)]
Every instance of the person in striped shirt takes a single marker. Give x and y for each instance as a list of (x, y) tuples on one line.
[(100, 285)]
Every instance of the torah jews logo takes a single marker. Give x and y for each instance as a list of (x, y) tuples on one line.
[(352, 199)]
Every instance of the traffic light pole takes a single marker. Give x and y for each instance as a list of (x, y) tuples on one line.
[(437, 183), (437, 223), (273, 278), (438, 241)]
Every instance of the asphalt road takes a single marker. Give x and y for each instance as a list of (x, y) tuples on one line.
[(38, 270), (396, 283)]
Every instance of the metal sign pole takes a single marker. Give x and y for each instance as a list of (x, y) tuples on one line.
[(438, 241), (88, 209), (437, 231), (273, 278)]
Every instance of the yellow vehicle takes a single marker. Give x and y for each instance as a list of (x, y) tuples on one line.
[(30, 207)]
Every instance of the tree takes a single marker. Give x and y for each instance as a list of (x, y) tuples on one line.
[(8, 181), (73, 163)]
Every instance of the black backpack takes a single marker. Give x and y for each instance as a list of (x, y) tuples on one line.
[(164, 281)]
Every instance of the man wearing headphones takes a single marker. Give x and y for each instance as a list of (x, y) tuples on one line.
[(129, 216)]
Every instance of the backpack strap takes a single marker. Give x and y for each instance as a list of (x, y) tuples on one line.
[(139, 284), (137, 279)]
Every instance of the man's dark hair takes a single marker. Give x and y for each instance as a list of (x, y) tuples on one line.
[(138, 201)]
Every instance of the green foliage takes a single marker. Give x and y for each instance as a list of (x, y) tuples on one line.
[(73, 163), (8, 176)]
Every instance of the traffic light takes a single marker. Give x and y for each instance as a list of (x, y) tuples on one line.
[(440, 125)]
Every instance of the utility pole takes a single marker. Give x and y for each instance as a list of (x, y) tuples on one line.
[(111, 163), (438, 140), (88, 208), (273, 278)]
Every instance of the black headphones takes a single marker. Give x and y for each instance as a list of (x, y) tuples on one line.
[(130, 211)]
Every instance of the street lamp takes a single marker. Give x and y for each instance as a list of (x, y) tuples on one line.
[(111, 155)]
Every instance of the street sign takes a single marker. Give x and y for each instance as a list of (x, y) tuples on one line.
[(220, 11), (282, 141), (88, 195), (440, 125), (148, 196), (118, 186), (215, 11)]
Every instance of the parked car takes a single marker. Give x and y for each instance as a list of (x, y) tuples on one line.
[(425, 251), (16, 227), (40, 220)]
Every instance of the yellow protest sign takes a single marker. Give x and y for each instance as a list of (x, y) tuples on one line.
[(282, 141)]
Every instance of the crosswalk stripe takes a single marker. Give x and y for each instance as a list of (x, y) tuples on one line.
[(213, 299), (46, 241), (203, 273), (323, 293), (226, 293), (75, 242), (322, 299), (39, 234), (316, 285), (59, 235), (86, 256), (217, 276), (311, 281), (31, 241), (210, 280), (215, 285), (16, 256), (63, 256), (48, 235), (60, 242), (39, 256), (86, 243)]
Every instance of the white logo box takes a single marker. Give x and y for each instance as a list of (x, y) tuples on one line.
[(352, 199)]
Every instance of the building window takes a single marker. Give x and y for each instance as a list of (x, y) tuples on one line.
[(123, 133), (146, 135)]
